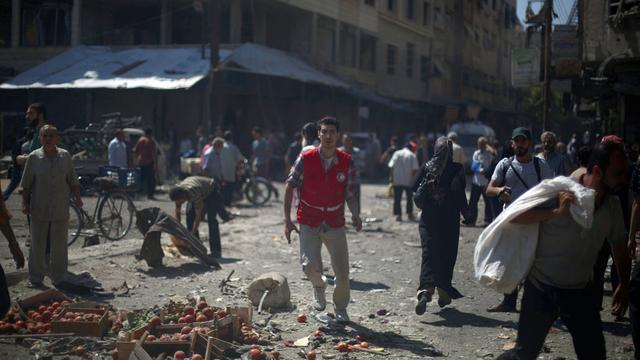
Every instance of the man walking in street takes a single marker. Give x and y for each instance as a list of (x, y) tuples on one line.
[(201, 194), (36, 118), (309, 136), (403, 169), (512, 177), (556, 161), (118, 152), (221, 161), (559, 283), (48, 181), (480, 163), (145, 154), (261, 156), (326, 178)]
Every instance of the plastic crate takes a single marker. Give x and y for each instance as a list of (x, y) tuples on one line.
[(126, 178)]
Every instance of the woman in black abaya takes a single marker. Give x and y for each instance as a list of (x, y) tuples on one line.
[(443, 203)]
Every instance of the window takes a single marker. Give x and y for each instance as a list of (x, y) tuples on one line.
[(348, 40), (45, 24), (437, 17), (326, 43), (410, 56), (391, 59), (411, 7), (426, 13), (367, 52), (391, 5), (370, 2), (424, 68)]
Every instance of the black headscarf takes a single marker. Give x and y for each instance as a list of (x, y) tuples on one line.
[(442, 158)]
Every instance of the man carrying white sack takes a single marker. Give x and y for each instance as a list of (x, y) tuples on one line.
[(559, 281)]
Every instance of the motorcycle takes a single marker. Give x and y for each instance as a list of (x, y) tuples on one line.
[(257, 189)]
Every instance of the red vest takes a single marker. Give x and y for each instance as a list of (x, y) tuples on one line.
[(322, 194)]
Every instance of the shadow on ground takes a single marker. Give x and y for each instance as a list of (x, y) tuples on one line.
[(452, 317)]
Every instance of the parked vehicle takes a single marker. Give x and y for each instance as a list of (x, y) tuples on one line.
[(468, 134)]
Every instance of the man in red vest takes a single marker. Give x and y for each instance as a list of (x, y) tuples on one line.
[(325, 178)]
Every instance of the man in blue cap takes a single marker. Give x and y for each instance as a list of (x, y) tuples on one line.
[(511, 178)]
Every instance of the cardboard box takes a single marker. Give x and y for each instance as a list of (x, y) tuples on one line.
[(82, 328)]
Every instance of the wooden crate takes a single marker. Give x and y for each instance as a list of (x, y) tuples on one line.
[(210, 347), (144, 349), (47, 296), (243, 312), (83, 328)]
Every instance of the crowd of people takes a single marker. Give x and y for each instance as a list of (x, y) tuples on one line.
[(567, 273)]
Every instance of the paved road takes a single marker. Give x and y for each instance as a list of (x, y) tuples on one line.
[(384, 261)]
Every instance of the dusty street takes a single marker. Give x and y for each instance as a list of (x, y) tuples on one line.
[(385, 261)]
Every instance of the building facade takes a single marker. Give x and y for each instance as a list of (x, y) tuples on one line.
[(438, 61)]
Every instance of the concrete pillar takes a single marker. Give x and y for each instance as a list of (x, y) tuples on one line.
[(336, 54), (260, 26), (314, 35), (76, 23), (164, 22), (357, 46), (235, 15), (15, 23)]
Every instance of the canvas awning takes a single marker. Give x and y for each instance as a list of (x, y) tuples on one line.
[(93, 67)]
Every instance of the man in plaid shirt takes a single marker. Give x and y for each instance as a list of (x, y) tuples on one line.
[(326, 178)]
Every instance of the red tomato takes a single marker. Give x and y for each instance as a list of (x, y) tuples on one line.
[(189, 310), (179, 355), (275, 354), (201, 318), (342, 346), (360, 338), (186, 330), (255, 354), (202, 305), (311, 355), (301, 318), (208, 312), (196, 357), (155, 321)]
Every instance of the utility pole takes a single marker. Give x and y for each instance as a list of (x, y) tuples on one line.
[(546, 90), (213, 12)]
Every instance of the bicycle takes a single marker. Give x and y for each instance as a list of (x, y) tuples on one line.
[(113, 213), (257, 189)]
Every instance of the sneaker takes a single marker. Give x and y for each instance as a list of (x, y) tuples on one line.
[(319, 300), (342, 316), (399, 218), (424, 297), (443, 298), (411, 217)]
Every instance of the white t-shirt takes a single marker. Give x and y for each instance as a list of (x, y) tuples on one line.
[(404, 163), (527, 172), (484, 158), (118, 153)]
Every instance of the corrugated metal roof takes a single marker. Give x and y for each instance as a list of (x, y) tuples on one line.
[(269, 61), (90, 67)]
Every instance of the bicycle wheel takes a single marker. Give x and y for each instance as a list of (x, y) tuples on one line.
[(115, 215), (75, 225), (258, 192)]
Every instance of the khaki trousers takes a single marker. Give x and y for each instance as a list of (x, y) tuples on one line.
[(335, 240), (57, 261)]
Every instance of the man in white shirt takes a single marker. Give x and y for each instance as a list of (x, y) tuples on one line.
[(221, 161), (481, 161), (458, 152), (118, 154), (404, 167)]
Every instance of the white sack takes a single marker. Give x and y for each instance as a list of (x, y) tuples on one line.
[(505, 251)]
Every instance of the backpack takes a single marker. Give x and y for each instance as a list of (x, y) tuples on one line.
[(536, 165)]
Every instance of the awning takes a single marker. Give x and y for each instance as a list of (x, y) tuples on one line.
[(263, 60), (93, 67)]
